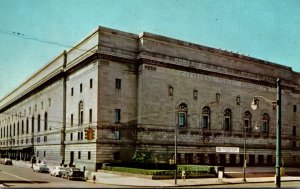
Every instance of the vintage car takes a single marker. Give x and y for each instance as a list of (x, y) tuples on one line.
[(73, 173), (6, 161), (41, 167), (57, 171)]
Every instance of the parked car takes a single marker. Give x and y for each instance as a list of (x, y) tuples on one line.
[(8, 162), (73, 173), (41, 167), (57, 171)]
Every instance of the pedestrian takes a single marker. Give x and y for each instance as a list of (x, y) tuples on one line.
[(183, 174)]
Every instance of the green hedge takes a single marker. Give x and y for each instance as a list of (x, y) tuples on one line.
[(193, 170)]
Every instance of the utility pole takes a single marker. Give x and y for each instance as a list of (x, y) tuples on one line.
[(245, 160), (175, 156), (278, 133)]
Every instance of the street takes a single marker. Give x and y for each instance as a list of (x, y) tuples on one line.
[(19, 177)]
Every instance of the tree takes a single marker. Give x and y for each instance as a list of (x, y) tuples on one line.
[(142, 156)]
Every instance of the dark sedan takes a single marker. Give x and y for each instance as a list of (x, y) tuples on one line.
[(73, 173)]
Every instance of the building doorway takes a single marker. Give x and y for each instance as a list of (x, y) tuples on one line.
[(260, 159), (232, 158), (222, 159), (71, 158), (251, 160)]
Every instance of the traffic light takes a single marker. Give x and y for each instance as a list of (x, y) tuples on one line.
[(92, 134), (89, 134)]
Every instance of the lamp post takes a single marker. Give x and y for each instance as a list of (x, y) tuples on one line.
[(175, 156), (278, 127), (245, 160)]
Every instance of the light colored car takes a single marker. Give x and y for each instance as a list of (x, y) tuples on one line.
[(57, 171), (40, 168)]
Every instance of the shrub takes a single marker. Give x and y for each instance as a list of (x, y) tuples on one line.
[(142, 156), (192, 170)]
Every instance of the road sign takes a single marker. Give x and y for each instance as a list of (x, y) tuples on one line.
[(228, 149)]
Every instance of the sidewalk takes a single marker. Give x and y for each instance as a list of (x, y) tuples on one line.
[(105, 177)]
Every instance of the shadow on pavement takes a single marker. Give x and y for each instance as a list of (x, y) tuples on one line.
[(21, 181)]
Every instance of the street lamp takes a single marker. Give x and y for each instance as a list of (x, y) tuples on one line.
[(245, 160), (254, 106)]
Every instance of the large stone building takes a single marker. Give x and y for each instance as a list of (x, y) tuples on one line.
[(134, 91)]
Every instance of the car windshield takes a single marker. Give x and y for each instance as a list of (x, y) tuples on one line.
[(75, 169), (61, 168)]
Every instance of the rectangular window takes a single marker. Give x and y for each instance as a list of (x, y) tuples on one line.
[(72, 91), (246, 122), (195, 94), (89, 155), (81, 135), (42, 104), (44, 153), (182, 119), (37, 153), (81, 117), (117, 135), (79, 155), (118, 83), (45, 138), (91, 114), (227, 124), (205, 121), (117, 115), (294, 131), (71, 136), (295, 108), (71, 120), (294, 144), (264, 127), (91, 83), (49, 101), (80, 87), (78, 136), (38, 139)]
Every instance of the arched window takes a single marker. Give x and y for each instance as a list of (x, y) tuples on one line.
[(227, 119), (27, 126), (39, 123), (247, 120), (18, 129), (46, 121), (32, 124), (206, 117), (80, 113), (182, 115), (22, 127), (265, 123), (14, 129)]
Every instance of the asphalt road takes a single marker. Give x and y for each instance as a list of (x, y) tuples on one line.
[(19, 177)]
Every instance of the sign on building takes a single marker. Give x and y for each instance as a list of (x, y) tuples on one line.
[(228, 149)]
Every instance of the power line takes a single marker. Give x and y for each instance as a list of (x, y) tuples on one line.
[(28, 37)]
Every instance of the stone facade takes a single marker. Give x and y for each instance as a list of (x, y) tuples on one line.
[(138, 92)]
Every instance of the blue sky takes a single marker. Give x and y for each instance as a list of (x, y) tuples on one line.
[(264, 29)]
